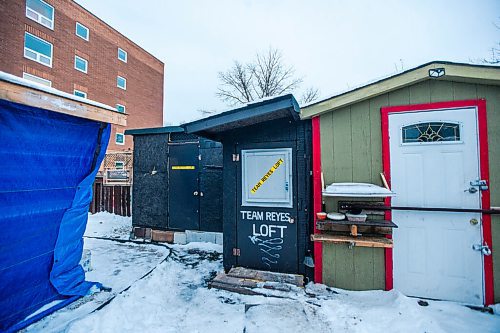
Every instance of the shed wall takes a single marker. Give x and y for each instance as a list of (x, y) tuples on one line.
[(281, 130), (149, 196), (351, 150)]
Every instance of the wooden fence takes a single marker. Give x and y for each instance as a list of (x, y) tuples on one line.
[(113, 199)]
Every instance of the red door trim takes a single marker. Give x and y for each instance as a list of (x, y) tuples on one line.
[(317, 197), (480, 104)]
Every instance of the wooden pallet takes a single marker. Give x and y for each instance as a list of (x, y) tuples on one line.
[(243, 280)]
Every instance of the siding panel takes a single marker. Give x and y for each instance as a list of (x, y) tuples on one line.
[(342, 141), (463, 91), (361, 142), (420, 93), (327, 153), (441, 91), (376, 136)]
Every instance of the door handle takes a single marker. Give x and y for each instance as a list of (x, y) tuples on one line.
[(195, 193), (471, 190)]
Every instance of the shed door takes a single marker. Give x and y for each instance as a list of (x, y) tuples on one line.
[(433, 159), (266, 220), (183, 199)]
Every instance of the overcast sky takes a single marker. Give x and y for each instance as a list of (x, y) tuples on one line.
[(333, 44)]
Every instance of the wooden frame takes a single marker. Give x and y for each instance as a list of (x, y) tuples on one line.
[(317, 196), (480, 105), (17, 93)]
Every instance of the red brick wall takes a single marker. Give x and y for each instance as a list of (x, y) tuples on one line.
[(143, 98)]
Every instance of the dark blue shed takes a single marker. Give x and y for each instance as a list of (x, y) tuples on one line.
[(51, 146), (266, 183)]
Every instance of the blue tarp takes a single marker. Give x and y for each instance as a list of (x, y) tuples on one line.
[(48, 162)]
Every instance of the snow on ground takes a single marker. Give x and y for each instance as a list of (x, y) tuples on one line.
[(175, 298), (104, 224), (116, 265)]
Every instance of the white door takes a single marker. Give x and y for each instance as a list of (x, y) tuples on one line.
[(434, 157), (267, 177)]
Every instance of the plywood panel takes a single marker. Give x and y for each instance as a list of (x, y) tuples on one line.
[(361, 142), (463, 91), (399, 97), (326, 131), (342, 160), (495, 226), (420, 93), (354, 269), (376, 136), (441, 91)]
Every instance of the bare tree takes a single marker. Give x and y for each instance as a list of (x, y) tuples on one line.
[(495, 54), (266, 76), (310, 95)]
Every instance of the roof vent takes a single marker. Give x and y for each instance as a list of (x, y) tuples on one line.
[(436, 72)]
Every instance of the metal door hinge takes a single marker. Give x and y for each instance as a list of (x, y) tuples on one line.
[(480, 183), (484, 249), (236, 252), (236, 157)]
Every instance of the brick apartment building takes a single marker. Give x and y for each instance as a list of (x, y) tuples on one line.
[(61, 44)]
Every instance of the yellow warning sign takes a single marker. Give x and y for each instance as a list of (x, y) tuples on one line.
[(183, 167), (267, 175)]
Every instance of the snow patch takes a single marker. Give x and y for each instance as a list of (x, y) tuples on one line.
[(108, 225)]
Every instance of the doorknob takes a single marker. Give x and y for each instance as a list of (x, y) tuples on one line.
[(195, 193)]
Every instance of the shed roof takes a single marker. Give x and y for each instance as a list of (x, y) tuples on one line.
[(436, 70), (154, 130), (255, 113), (21, 91)]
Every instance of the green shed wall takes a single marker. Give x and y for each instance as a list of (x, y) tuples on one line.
[(351, 151)]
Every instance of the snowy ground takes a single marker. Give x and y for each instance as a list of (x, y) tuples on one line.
[(174, 298), (108, 225)]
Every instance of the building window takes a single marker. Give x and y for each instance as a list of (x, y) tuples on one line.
[(81, 64), (431, 132), (119, 165), (41, 12), (82, 31), (120, 139), (80, 93), (122, 55), (37, 49), (121, 82), (120, 108), (37, 79)]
